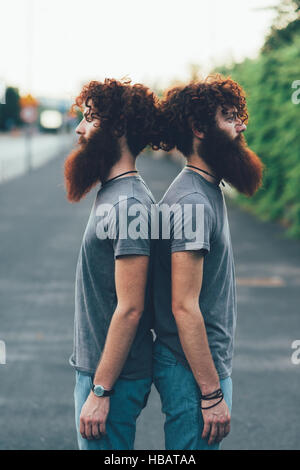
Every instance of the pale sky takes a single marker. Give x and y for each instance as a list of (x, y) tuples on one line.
[(51, 47)]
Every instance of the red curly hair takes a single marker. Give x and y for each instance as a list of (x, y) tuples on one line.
[(185, 107), (124, 109)]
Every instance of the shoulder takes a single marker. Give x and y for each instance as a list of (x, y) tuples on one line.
[(127, 201), (191, 198), (141, 192), (129, 208), (194, 197)]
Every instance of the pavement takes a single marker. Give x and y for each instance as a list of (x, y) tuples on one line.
[(20, 150), (41, 234)]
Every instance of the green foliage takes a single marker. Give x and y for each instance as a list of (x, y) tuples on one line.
[(273, 131), (286, 24)]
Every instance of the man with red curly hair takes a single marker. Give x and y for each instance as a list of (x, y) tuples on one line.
[(113, 341), (194, 274)]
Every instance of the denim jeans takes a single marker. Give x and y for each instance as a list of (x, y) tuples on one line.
[(180, 399), (126, 403)]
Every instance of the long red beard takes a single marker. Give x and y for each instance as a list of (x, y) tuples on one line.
[(232, 160), (90, 163)]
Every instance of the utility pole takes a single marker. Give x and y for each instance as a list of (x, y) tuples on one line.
[(29, 123)]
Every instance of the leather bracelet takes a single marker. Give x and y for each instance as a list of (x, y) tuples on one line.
[(212, 396), (211, 406)]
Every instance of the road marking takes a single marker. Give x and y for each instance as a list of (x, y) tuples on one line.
[(2, 352), (261, 281)]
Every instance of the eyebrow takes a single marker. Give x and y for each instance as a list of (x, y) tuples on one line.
[(230, 113), (87, 113), (90, 112)]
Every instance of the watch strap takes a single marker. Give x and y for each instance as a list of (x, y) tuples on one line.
[(106, 393)]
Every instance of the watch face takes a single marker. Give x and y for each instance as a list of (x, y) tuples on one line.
[(98, 390)]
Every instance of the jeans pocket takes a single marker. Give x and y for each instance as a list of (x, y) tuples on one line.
[(85, 379)]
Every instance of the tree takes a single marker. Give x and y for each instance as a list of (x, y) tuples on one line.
[(285, 25)]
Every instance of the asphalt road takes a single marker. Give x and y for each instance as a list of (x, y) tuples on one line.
[(40, 237)]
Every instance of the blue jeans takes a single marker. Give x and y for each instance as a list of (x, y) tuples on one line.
[(126, 403), (179, 395)]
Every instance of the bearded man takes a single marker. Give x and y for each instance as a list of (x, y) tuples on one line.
[(194, 275), (113, 341)]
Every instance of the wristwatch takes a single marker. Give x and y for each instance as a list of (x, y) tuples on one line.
[(100, 391)]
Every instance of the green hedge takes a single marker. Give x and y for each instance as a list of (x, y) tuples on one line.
[(274, 132)]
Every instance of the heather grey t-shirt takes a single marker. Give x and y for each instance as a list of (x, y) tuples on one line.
[(114, 223), (200, 206)]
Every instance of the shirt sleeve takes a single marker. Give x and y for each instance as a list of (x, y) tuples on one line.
[(191, 224), (129, 228)]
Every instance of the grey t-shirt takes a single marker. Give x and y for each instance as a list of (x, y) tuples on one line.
[(205, 219), (114, 223)]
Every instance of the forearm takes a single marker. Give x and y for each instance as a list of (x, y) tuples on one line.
[(119, 339), (193, 338)]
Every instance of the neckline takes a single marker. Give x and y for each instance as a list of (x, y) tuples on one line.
[(120, 175), (209, 183), (109, 183)]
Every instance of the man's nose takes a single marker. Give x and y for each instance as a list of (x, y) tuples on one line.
[(79, 129)]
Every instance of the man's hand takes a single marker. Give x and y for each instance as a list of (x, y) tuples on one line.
[(93, 417), (216, 421)]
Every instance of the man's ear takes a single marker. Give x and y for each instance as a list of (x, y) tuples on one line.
[(198, 133)]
